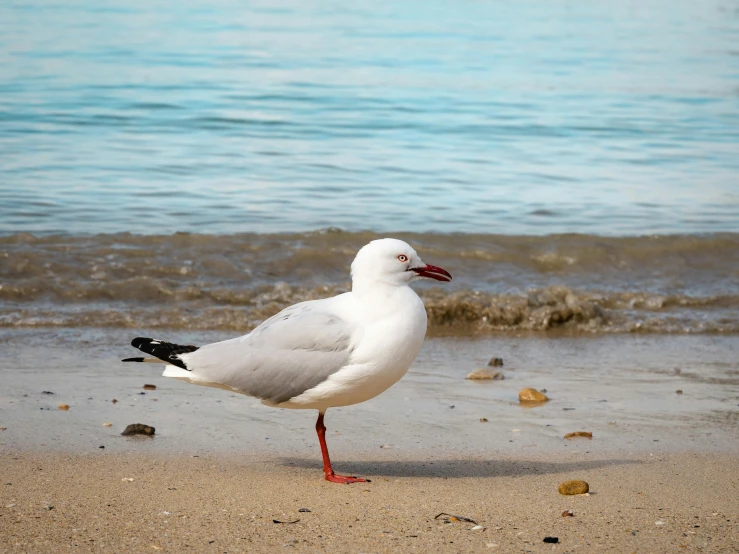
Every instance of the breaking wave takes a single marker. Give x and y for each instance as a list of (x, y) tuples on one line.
[(577, 283)]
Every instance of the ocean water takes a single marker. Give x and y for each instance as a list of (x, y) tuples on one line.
[(579, 284), (203, 165), (507, 118)]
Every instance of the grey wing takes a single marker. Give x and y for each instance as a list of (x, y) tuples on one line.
[(285, 356)]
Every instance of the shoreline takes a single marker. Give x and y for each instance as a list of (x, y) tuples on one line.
[(623, 389)]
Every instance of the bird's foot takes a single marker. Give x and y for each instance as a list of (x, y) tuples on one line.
[(345, 479)]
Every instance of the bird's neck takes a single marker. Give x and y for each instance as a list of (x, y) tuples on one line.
[(368, 288), (378, 297)]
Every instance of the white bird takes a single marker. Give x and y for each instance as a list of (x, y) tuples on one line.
[(322, 353)]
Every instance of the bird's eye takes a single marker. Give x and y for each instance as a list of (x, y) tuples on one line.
[(403, 258)]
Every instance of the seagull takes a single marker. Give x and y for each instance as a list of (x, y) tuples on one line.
[(323, 353)]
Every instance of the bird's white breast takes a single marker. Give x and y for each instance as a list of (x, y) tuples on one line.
[(391, 330)]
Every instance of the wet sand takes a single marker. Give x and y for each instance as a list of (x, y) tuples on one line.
[(623, 388), (223, 466), (142, 503)]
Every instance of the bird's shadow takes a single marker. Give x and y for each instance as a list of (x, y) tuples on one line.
[(456, 468)]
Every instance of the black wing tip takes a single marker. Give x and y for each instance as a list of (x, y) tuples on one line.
[(133, 360), (166, 351)]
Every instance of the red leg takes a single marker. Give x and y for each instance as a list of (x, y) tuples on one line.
[(327, 470)]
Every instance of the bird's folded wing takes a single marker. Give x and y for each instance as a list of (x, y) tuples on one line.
[(288, 354)]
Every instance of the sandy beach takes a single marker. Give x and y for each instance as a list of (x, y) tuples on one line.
[(96, 502), (663, 467)]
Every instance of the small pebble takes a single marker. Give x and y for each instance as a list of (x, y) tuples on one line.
[(568, 513), (114, 401), (553, 540), (573, 487), (485, 375), (583, 434), (659, 523), (101, 446), (483, 420), (3, 428), (679, 391), (150, 387), (139, 429), (306, 510), (496, 362), (386, 446), (477, 528), (129, 479), (529, 395), (44, 392), (64, 407), (107, 424)]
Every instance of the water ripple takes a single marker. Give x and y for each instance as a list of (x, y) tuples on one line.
[(517, 118)]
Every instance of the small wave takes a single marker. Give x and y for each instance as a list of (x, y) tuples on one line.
[(463, 312), (582, 283)]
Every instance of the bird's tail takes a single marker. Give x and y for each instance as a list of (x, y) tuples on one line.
[(164, 351)]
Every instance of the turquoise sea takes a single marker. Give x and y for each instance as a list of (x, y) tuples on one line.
[(492, 117)]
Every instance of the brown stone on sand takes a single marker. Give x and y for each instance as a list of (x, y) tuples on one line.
[(139, 429), (485, 375), (64, 407), (496, 362), (150, 387), (576, 434), (573, 487), (531, 396)]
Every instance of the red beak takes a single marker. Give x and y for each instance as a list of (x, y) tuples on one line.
[(433, 272)]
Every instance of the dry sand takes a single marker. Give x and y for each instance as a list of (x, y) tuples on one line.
[(106, 502)]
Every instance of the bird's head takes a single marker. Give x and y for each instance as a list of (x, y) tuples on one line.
[(393, 262)]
